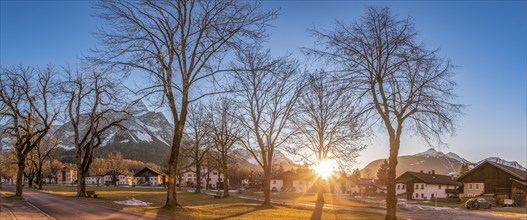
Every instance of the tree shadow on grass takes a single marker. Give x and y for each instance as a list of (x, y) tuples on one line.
[(317, 212), (257, 208)]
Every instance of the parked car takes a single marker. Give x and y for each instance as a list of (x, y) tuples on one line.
[(477, 203)]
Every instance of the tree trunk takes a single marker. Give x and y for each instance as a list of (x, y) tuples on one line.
[(267, 186), (39, 176), (81, 184), (320, 194), (225, 177), (171, 202), (30, 178), (391, 199), (20, 175), (198, 177)]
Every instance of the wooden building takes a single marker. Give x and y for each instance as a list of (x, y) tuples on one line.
[(496, 180), (149, 177)]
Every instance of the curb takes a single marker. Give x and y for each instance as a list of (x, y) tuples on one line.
[(10, 213), (46, 214)]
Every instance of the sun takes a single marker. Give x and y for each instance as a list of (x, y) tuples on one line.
[(324, 169)]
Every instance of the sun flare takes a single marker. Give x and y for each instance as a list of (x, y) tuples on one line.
[(324, 169)]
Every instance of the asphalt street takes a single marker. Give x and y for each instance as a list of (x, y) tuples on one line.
[(62, 207)]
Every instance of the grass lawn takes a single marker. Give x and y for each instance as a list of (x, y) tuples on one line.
[(312, 197), (203, 206)]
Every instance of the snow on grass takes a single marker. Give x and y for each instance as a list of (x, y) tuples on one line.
[(133, 202)]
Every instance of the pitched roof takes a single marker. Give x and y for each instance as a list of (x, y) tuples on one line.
[(146, 169), (284, 175), (520, 174), (428, 178)]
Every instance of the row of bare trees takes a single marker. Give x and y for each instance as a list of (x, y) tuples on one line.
[(373, 72), (31, 103)]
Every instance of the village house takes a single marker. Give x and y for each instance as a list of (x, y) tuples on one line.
[(302, 182), (67, 174), (357, 186), (188, 178), (426, 186), (96, 180), (122, 180), (290, 181), (496, 180), (148, 177)]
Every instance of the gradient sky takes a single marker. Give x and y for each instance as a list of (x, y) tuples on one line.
[(486, 39)]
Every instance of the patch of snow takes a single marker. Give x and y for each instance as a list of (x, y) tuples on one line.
[(124, 141), (513, 164), (108, 139), (133, 202), (430, 153), (457, 157), (252, 160), (143, 136), (66, 147)]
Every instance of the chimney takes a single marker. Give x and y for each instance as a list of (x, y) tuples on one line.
[(433, 172)]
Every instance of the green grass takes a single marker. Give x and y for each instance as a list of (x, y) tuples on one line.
[(203, 206)]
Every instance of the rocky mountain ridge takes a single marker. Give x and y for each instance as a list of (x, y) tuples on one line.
[(432, 159)]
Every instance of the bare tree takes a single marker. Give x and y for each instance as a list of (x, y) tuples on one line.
[(179, 44), (26, 95), (115, 166), (40, 153), (268, 91), (199, 141), (406, 84), (98, 168), (93, 108), (225, 133), (328, 124)]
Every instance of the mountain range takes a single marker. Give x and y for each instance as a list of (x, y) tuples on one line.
[(432, 159), (148, 134), (146, 138)]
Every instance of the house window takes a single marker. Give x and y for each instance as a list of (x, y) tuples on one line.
[(417, 195), (477, 185), (189, 175), (432, 196), (470, 186), (398, 187), (214, 173), (422, 186), (416, 186), (274, 181), (422, 195), (439, 186), (402, 187)]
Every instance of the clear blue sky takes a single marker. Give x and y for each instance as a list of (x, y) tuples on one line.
[(486, 39)]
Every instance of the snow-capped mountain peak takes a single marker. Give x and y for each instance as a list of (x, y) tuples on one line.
[(138, 108), (430, 153), (513, 164)]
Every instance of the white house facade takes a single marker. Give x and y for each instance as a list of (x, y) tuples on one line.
[(425, 186)]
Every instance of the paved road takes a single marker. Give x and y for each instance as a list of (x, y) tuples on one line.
[(62, 207)]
